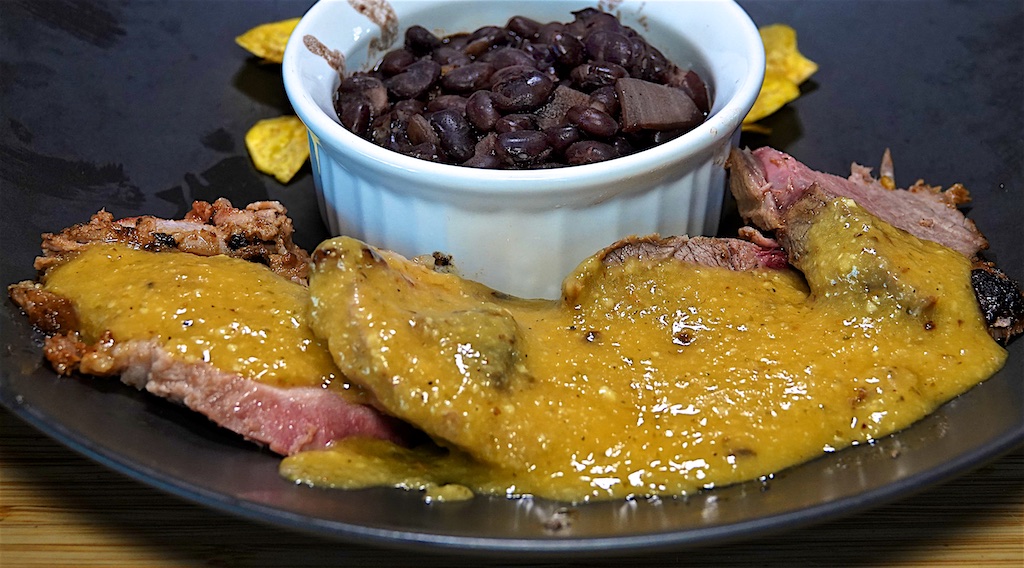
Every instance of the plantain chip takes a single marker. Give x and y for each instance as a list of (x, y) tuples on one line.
[(781, 55), (785, 69), (278, 146), (268, 40), (776, 91)]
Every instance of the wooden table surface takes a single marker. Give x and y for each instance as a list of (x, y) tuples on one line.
[(60, 509)]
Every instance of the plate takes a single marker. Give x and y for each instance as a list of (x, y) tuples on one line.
[(150, 112)]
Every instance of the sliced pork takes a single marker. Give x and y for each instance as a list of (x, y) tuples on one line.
[(734, 254), (775, 192), (767, 182), (286, 419)]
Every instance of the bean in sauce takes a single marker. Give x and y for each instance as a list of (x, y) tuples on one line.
[(520, 96)]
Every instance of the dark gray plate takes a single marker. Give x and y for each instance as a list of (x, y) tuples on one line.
[(140, 108)]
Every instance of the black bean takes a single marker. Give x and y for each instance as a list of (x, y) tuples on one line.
[(622, 145), (388, 132), (610, 46), (415, 80), (426, 151), (395, 61), (447, 56), (605, 99), (480, 111), (355, 115), (455, 134), (590, 76), (404, 110), (420, 40), (543, 58), (561, 137), (692, 85), (520, 88), (639, 44), (450, 99), (594, 19), (370, 88), (592, 121), (457, 40), (662, 136), (508, 57), (515, 121), (522, 147), (651, 65), (523, 27), (358, 100), (445, 102), (420, 131), (496, 35), (589, 152), (546, 32), (569, 51), (486, 38), (577, 27), (468, 78)]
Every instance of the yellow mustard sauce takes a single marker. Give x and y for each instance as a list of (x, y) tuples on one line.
[(649, 377), (236, 315)]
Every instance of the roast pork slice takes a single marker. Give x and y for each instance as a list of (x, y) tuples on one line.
[(287, 419), (734, 254), (775, 192), (767, 182)]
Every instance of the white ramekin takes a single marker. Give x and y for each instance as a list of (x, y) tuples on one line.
[(522, 232)]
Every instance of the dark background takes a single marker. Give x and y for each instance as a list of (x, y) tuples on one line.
[(141, 107)]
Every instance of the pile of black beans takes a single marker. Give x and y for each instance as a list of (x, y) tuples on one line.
[(523, 96)]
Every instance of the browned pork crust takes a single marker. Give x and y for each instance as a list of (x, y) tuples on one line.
[(262, 232), (1000, 300), (47, 311)]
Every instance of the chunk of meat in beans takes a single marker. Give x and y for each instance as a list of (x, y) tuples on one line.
[(523, 95)]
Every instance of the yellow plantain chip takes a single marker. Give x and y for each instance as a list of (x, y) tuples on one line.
[(268, 40), (781, 55), (278, 146), (757, 128), (785, 69), (776, 91)]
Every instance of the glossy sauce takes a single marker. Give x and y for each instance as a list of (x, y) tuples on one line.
[(236, 315), (650, 377)]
